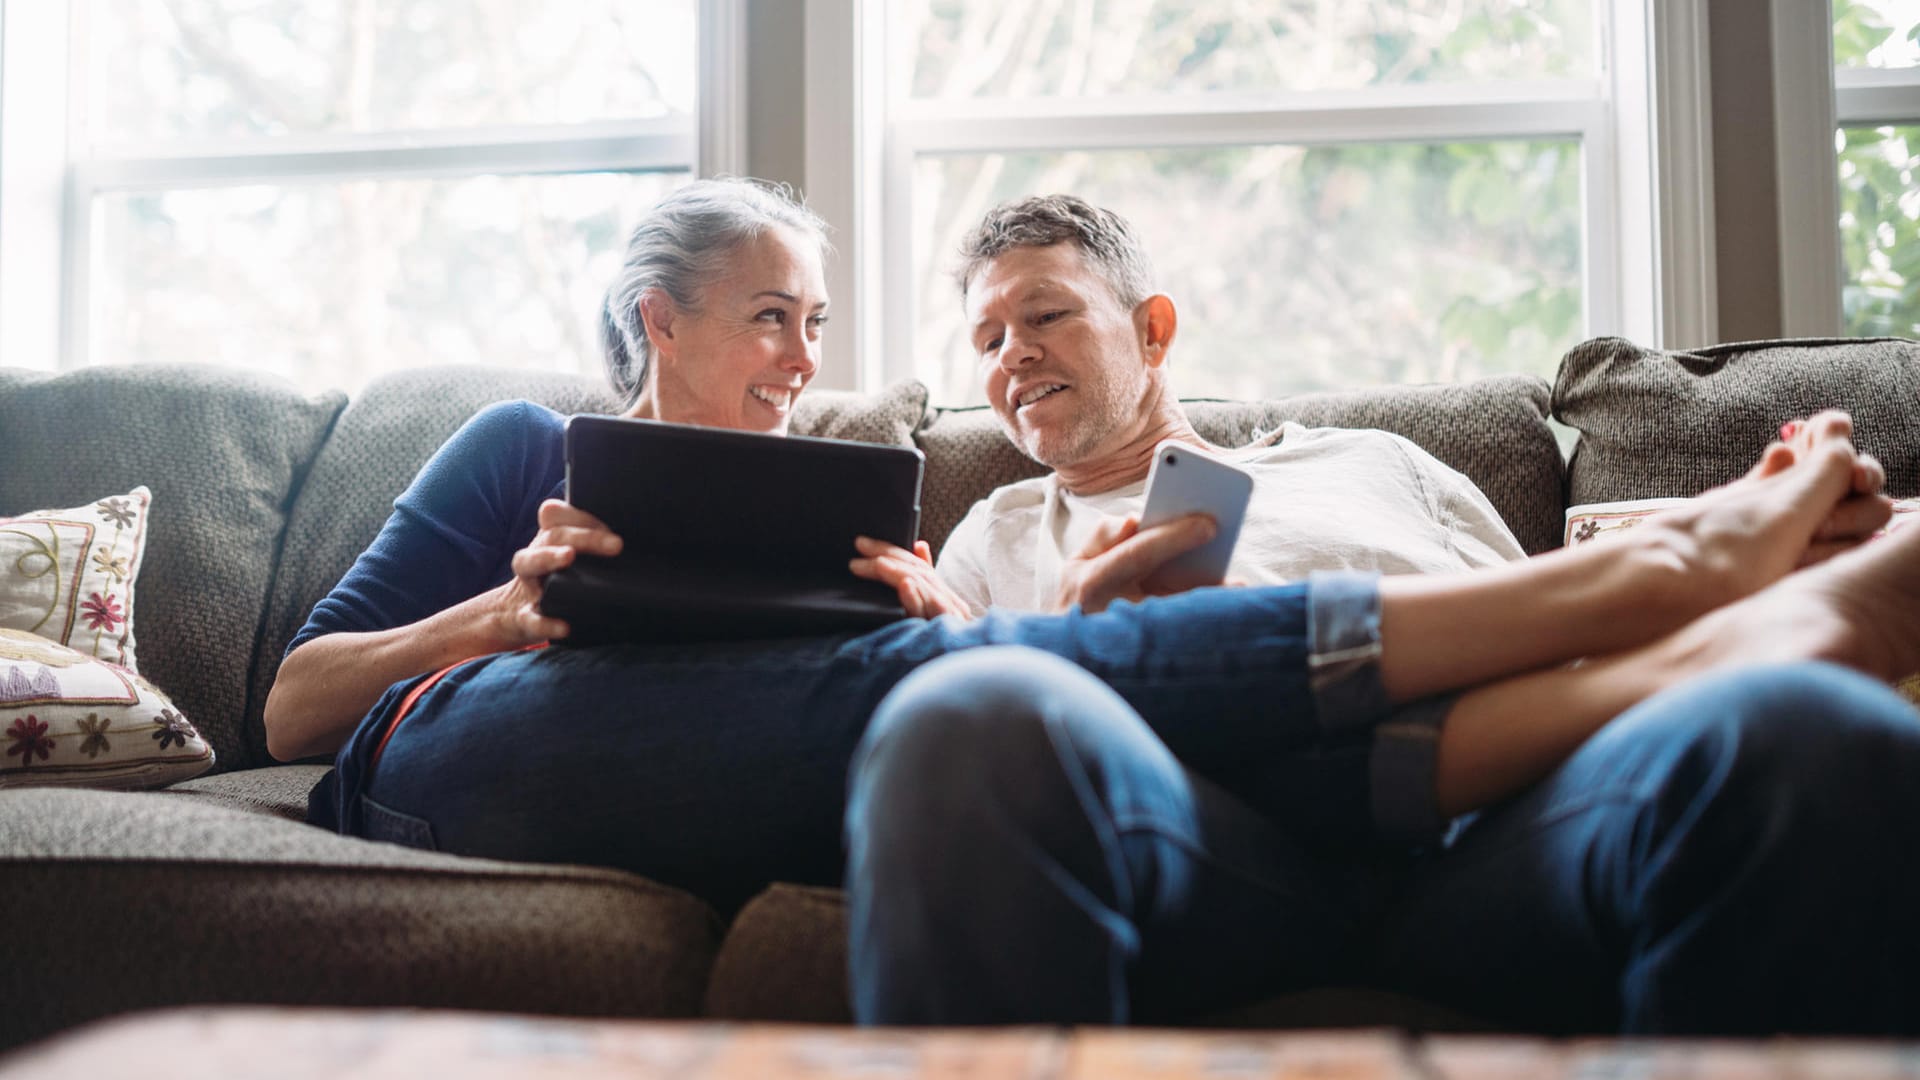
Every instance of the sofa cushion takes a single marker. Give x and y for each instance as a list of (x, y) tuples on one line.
[(1659, 424), (204, 893), (396, 424), (280, 791), (223, 452), (785, 960), (72, 720), (1493, 430), (68, 575)]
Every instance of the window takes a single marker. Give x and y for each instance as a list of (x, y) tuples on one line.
[(1388, 191), (1336, 193), (329, 190), (1876, 54)]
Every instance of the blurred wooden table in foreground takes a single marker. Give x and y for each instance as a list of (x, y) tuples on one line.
[(288, 1044)]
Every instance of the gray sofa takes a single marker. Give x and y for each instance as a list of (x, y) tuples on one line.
[(215, 890)]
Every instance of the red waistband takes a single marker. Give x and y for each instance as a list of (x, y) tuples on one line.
[(420, 688)]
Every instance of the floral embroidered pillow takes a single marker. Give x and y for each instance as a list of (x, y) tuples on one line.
[(67, 575), (67, 718), (1590, 521)]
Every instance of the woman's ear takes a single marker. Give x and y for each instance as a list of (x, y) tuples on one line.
[(1155, 321), (657, 315)]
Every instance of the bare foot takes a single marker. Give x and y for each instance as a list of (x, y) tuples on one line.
[(1860, 513), (1598, 600), (1860, 609), (1802, 503)]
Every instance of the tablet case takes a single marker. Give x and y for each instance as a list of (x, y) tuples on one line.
[(729, 534)]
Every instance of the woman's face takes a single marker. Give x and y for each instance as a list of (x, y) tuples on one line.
[(742, 359)]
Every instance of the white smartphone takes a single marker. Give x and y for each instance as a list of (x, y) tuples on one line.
[(1184, 480)]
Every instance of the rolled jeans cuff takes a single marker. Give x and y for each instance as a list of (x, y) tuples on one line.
[(1401, 771), (1343, 650), (1343, 664)]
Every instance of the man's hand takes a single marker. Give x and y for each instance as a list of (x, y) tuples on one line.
[(1120, 559), (910, 573)]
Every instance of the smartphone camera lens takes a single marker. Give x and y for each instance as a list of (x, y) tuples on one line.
[(1172, 461)]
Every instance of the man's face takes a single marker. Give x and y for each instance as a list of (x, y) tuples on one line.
[(1065, 368)]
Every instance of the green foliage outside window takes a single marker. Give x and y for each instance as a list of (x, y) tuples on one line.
[(1879, 205), (1296, 268)]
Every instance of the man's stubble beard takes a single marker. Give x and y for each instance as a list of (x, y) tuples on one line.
[(1068, 449), (1079, 440)]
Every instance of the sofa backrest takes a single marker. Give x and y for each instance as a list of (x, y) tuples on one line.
[(264, 497), (1493, 430), (223, 452), (258, 509), (390, 430)]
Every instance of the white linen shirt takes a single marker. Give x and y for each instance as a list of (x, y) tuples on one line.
[(1323, 499)]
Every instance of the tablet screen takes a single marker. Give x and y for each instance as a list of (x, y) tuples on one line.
[(788, 501)]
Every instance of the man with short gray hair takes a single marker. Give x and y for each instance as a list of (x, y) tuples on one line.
[(1073, 346)]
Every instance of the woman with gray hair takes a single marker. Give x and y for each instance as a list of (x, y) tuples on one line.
[(714, 319)]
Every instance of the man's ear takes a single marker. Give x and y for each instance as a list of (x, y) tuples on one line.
[(657, 315), (1155, 321)]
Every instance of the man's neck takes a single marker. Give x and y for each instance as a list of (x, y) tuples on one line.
[(1129, 462)]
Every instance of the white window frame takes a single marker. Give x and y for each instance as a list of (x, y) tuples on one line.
[(1812, 101), (844, 57), (1645, 129), (1665, 165), (33, 146), (49, 176)]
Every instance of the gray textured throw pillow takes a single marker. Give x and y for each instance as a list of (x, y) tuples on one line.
[(1659, 424), (888, 417)]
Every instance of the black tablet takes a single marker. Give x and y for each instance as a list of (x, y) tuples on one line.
[(729, 534)]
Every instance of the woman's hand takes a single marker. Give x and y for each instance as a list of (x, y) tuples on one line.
[(565, 532), (910, 573)]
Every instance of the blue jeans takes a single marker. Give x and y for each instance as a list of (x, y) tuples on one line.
[(720, 768), (1740, 855), (1022, 848), (1732, 856)]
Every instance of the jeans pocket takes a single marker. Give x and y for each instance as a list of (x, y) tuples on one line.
[(391, 826)]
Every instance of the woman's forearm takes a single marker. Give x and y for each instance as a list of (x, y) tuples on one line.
[(1502, 738), (326, 686), (1446, 632)]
